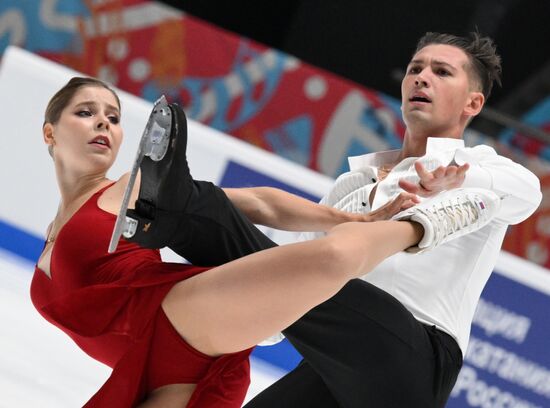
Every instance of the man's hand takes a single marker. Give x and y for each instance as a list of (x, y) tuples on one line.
[(433, 182)]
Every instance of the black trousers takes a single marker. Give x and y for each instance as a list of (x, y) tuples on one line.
[(212, 231), (361, 348)]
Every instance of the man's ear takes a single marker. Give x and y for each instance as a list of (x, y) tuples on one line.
[(474, 104)]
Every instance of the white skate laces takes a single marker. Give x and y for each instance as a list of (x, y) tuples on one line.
[(451, 214)]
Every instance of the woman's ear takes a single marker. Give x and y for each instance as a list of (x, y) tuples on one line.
[(47, 133)]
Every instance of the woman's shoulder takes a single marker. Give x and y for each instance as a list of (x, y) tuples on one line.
[(111, 198)]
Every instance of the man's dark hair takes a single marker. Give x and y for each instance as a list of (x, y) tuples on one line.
[(481, 51)]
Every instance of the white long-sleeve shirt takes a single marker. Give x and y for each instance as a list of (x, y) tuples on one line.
[(442, 287)]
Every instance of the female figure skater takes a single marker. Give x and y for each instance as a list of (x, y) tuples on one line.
[(177, 335)]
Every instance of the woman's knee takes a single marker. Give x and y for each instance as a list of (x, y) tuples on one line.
[(337, 259)]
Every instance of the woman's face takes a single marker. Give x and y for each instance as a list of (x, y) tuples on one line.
[(88, 134)]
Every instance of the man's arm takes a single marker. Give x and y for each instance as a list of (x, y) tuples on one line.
[(518, 187), (278, 209)]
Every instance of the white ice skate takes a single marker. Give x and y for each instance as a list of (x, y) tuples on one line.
[(451, 214)]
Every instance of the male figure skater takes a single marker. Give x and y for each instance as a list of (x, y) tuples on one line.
[(395, 338)]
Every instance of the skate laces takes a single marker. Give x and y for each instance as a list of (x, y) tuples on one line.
[(453, 215)]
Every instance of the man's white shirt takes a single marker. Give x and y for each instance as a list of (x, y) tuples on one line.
[(441, 287)]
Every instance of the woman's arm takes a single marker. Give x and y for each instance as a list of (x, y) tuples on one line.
[(278, 209)]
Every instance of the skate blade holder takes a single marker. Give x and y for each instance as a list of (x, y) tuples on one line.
[(157, 132), (154, 144), (129, 228)]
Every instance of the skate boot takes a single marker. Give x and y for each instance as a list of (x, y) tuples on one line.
[(166, 184), (193, 218), (450, 215)]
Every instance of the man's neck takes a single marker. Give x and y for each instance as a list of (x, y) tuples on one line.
[(413, 148), (414, 145)]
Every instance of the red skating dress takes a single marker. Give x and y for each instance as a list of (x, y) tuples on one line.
[(110, 305)]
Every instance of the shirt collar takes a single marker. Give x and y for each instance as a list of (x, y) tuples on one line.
[(434, 145)]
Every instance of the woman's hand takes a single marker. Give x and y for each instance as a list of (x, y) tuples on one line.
[(403, 201)]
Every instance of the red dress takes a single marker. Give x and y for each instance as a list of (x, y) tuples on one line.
[(110, 305)]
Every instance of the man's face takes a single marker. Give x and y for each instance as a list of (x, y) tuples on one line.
[(436, 91)]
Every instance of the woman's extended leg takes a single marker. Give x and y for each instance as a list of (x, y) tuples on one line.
[(237, 305)]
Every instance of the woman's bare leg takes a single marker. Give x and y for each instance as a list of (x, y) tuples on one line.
[(239, 304)]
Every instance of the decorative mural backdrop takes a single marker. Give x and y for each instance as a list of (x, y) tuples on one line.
[(242, 88), (531, 239)]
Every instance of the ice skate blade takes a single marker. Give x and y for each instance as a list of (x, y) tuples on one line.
[(154, 144)]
